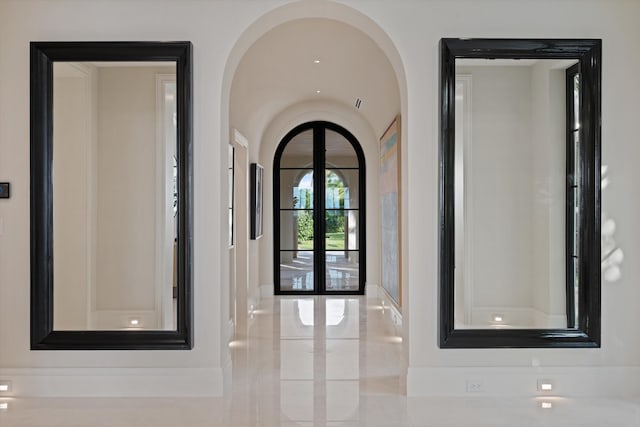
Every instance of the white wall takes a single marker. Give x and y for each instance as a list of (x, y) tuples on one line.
[(415, 29)]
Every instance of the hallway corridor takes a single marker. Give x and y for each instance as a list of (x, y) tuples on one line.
[(319, 361)]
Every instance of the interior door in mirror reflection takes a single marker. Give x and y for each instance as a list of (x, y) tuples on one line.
[(113, 147), (510, 179)]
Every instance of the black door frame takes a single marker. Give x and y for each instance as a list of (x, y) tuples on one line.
[(319, 166)]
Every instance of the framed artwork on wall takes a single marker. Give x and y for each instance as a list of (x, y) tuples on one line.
[(390, 211), (256, 176)]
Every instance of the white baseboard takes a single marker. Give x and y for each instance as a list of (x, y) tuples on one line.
[(115, 382), (394, 313), (522, 382), (371, 290)]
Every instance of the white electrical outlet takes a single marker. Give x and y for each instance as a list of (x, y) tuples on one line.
[(475, 386)]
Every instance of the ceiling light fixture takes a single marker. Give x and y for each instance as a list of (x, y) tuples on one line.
[(316, 61), (317, 91)]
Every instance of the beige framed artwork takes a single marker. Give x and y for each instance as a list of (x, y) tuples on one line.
[(390, 274)]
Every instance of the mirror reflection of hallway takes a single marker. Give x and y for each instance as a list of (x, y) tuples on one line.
[(319, 223)]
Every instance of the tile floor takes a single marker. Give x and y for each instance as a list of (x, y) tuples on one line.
[(319, 361)]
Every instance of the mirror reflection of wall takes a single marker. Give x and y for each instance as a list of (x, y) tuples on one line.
[(510, 193), (113, 190)]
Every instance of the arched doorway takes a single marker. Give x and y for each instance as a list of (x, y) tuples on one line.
[(319, 224)]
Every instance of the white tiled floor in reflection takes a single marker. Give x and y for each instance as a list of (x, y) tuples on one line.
[(319, 361)]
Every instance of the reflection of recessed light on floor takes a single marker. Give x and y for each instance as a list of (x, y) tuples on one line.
[(498, 318), (4, 405), (134, 322), (5, 386), (546, 405)]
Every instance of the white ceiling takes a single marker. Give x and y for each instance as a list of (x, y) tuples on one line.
[(278, 71)]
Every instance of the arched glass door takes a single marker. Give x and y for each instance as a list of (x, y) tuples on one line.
[(319, 223)]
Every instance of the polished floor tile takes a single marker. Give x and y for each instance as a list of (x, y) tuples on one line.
[(319, 361)]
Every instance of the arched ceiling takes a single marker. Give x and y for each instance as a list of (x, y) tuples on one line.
[(292, 62)]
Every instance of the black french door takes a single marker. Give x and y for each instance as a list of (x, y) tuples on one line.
[(319, 212)]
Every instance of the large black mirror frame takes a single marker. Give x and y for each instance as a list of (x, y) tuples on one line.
[(43, 55), (587, 331)]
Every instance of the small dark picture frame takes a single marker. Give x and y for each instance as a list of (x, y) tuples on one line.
[(5, 190), (256, 176)]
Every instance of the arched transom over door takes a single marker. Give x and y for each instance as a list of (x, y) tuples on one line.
[(319, 224)]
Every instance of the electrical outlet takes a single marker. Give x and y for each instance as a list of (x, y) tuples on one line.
[(475, 386)]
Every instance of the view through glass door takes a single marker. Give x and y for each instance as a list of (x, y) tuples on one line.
[(319, 223)]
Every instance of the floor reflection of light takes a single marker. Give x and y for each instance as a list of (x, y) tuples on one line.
[(237, 344), (335, 311), (305, 311)]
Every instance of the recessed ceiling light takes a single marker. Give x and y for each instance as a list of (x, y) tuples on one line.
[(316, 61), (317, 91)]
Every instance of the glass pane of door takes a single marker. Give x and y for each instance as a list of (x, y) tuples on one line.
[(342, 214), (297, 214)]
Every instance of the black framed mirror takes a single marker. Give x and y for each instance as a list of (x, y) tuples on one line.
[(519, 193), (111, 195)]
